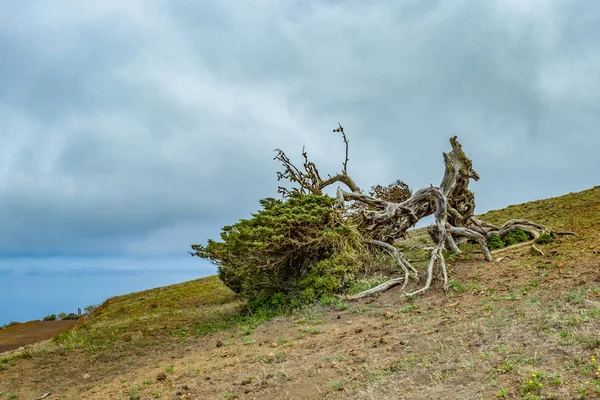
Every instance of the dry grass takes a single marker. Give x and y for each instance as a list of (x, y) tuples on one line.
[(526, 327)]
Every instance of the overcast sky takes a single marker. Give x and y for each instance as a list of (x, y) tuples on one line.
[(132, 129)]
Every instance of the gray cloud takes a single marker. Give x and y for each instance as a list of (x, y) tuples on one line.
[(138, 128)]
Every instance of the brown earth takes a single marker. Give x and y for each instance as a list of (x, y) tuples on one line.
[(526, 326), (31, 332)]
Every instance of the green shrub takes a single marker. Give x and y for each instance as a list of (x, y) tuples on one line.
[(516, 236), (288, 253), (544, 238), (12, 323), (51, 317), (495, 242), (512, 237), (64, 317), (90, 309)]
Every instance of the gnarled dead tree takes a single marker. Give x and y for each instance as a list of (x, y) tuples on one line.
[(386, 214)]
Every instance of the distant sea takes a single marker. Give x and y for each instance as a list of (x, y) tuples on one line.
[(25, 297)]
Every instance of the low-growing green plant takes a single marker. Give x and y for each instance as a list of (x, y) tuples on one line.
[(134, 393), (513, 237), (457, 286), (338, 384), (516, 236), (12, 323), (544, 238), (532, 385), (408, 308), (495, 242), (51, 317), (575, 297)]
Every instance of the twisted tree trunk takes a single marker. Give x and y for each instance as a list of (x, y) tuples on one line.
[(383, 222)]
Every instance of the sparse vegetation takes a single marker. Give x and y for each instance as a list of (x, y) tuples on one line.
[(506, 321), (516, 236), (65, 317), (544, 239), (12, 323), (511, 238), (90, 308)]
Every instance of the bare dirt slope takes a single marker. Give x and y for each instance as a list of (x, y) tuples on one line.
[(527, 326), (31, 332)]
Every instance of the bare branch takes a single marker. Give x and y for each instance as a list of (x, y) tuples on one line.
[(385, 215), (309, 180), (341, 129)]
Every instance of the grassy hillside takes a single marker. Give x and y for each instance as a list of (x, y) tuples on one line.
[(525, 327)]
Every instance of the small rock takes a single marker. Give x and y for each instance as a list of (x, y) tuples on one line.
[(246, 381), (358, 330), (86, 376), (219, 343), (161, 377), (388, 315), (274, 345)]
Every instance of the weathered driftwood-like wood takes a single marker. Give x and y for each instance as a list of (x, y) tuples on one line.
[(309, 180), (402, 263), (383, 222), (478, 237)]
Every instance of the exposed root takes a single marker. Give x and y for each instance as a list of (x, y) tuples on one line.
[(379, 289), (536, 251), (437, 255), (472, 235), (385, 215), (514, 246), (402, 263)]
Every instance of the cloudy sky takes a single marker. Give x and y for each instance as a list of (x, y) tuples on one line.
[(131, 130)]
